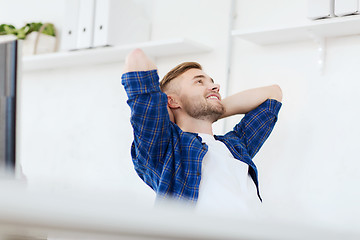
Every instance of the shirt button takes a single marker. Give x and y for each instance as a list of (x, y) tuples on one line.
[(204, 146), (197, 174)]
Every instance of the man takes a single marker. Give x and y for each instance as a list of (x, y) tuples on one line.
[(174, 150)]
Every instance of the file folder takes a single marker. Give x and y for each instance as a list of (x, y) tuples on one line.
[(86, 24), (318, 9), (69, 33), (102, 22), (120, 22), (346, 7)]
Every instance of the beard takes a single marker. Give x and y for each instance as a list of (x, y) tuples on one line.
[(201, 108)]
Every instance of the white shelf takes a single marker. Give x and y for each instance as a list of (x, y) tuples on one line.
[(333, 27), (163, 48)]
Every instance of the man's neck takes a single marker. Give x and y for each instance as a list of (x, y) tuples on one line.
[(195, 125)]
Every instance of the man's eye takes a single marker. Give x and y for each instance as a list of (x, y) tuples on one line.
[(199, 81)]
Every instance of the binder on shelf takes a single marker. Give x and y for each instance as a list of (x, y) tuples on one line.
[(318, 9), (346, 7), (119, 22), (86, 24), (69, 33)]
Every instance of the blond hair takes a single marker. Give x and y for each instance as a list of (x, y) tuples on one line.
[(176, 72)]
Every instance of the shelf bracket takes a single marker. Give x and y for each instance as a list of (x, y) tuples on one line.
[(321, 42)]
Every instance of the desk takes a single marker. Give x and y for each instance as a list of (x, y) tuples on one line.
[(40, 214)]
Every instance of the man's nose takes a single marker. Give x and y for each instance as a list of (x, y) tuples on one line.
[(215, 87)]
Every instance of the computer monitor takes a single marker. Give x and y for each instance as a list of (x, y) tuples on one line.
[(9, 74)]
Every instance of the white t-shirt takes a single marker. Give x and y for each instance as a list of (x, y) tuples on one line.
[(225, 183)]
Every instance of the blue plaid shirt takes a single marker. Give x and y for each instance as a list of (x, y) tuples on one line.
[(169, 159)]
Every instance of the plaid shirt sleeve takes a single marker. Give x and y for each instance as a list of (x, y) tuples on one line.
[(150, 121), (257, 125)]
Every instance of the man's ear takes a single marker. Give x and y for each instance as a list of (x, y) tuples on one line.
[(172, 105), (173, 102)]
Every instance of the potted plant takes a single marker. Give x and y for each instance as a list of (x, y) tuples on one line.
[(37, 37)]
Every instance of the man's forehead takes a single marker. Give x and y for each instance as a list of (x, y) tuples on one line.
[(187, 77), (194, 73)]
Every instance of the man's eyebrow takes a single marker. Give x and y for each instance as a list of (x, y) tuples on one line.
[(202, 76)]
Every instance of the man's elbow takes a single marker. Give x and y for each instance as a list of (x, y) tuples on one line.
[(276, 93)]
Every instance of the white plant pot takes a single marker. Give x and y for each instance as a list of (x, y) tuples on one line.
[(45, 44)]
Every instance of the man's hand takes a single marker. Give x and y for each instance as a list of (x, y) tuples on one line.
[(244, 102), (138, 61)]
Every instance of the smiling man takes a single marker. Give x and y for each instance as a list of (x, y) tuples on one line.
[(175, 151)]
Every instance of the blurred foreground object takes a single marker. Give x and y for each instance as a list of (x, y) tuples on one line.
[(77, 215), (8, 80)]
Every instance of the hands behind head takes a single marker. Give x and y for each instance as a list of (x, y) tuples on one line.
[(138, 61)]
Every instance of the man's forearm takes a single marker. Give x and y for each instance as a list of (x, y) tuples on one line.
[(245, 101)]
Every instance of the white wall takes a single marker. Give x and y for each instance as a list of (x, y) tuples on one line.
[(75, 133), (75, 122), (310, 164)]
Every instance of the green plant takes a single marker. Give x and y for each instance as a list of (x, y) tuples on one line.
[(7, 29), (21, 33)]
